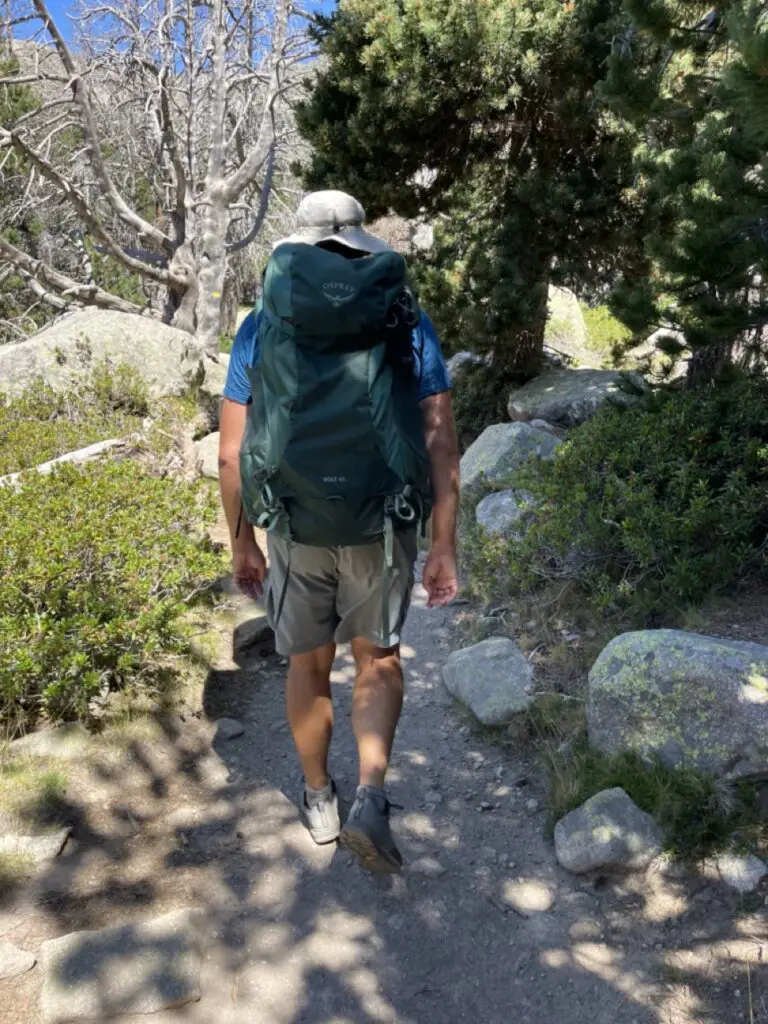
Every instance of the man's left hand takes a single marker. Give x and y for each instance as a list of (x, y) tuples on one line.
[(441, 578)]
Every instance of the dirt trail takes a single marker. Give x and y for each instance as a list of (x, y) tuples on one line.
[(300, 934)]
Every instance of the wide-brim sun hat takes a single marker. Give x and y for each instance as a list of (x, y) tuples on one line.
[(333, 216)]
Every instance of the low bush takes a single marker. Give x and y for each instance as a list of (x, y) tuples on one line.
[(42, 424), (97, 565), (647, 510)]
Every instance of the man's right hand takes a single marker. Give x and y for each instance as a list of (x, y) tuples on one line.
[(249, 569)]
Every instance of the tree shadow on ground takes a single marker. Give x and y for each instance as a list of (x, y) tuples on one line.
[(293, 933)]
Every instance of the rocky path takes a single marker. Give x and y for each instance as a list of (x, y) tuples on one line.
[(481, 927)]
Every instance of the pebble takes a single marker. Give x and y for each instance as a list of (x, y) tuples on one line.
[(465, 731), (743, 873), (528, 898), (532, 806), (427, 866), (228, 729), (485, 806)]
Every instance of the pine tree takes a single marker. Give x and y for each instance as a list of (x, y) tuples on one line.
[(694, 81), (482, 115)]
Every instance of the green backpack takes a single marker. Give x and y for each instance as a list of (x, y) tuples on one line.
[(334, 453)]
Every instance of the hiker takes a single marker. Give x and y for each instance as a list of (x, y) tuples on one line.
[(337, 436)]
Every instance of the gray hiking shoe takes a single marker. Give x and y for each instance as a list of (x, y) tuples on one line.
[(320, 811), (367, 833)]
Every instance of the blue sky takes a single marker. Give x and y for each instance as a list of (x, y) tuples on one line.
[(60, 8)]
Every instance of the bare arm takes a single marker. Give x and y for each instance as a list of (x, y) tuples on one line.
[(248, 565), (440, 574), (443, 451)]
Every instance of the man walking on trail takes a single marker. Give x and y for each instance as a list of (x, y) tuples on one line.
[(337, 436)]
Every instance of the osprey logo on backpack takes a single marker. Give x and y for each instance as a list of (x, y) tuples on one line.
[(338, 293)]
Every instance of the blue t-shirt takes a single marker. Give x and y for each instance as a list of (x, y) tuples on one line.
[(429, 364)]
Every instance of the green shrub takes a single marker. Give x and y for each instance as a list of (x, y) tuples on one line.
[(42, 424), (605, 334), (97, 564), (648, 509)]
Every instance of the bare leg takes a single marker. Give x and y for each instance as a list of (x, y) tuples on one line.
[(376, 706), (310, 711)]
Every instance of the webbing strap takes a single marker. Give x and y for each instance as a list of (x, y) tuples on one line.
[(284, 588), (386, 581)]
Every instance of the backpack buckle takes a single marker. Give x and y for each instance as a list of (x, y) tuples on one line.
[(274, 510)]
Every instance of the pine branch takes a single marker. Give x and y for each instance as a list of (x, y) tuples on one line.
[(261, 213)]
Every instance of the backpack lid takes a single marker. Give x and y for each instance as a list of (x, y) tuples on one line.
[(312, 290)]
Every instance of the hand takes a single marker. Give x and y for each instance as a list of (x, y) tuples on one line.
[(441, 579), (249, 569)]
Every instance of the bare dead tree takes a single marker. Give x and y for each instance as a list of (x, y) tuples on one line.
[(165, 132)]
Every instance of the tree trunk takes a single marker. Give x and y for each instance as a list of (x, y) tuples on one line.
[(230, 303), (212, 257), (520, 352), (708, 362), (213, 269)]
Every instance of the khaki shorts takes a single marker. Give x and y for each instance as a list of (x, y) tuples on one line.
[(335, 594)]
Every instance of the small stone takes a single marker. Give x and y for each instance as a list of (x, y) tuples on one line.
[(68, 742), (40, 848), (14, 961), (277, 727), (532, 806), (427, 866), (607, 832), (140, 968), (228, 729), (493, 679), (465, 730), (485, 806), (528, 898), (743, 873)]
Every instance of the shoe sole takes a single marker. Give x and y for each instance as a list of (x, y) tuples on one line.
[(370, 856)]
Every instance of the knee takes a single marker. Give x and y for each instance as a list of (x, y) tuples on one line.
[(315, 666), (382, 667)]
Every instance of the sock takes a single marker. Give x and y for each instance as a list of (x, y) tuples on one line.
[(317, 796)]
